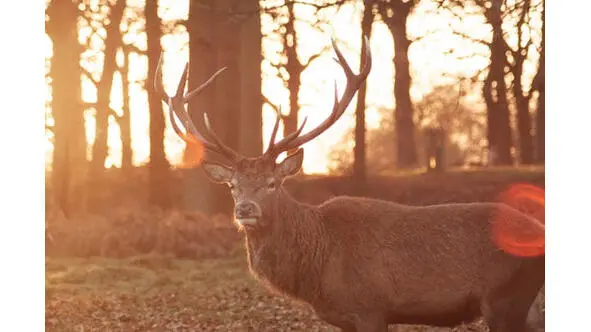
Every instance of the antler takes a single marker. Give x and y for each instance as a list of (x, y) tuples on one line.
[(354, 82), (176, 105)]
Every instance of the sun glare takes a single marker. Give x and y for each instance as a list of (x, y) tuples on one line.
[(522, 237)]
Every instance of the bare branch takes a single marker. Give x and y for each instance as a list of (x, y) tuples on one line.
[(275, 107), (134, 49), (472, 78), (317, 6), (472, 39), (259, 9), (114, 114), (88, 75), (315, 56)]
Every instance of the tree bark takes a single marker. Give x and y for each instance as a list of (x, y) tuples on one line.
[(294, 68), (69, 166), (103, 110), (199, 193), (539, 85), (495, 91), (395, 15), (251, 96), (359, 151), (125, 118), (226, 117), (159, 168), (524, 121)]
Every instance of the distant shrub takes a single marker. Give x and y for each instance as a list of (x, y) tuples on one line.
[(129, 233)]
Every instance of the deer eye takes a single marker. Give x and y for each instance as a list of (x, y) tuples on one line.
[(271, 185)]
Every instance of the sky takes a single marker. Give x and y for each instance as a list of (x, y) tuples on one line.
[(429, 57)]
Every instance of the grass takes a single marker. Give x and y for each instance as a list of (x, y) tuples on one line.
[(155, 293), (158, 293)]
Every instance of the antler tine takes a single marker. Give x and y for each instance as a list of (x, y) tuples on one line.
[(224, 149), (354, 82), (158, 86), (275, 127), (176, 105), (204, 85)]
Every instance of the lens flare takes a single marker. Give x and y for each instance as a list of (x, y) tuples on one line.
[(194, 152), (523, 237)]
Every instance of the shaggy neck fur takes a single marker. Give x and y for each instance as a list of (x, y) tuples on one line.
[(288, 253)]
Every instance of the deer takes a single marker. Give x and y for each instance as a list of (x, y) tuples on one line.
[(361, 263)]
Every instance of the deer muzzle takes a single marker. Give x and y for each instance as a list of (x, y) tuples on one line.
[(247, 213)]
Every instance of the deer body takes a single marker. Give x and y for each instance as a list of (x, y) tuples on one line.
[(363, 263), (354, 259)]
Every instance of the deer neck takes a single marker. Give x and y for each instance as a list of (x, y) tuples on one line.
[(288, 255)]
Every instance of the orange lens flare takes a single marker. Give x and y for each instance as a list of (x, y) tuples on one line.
[(194, 152), (524, 238)]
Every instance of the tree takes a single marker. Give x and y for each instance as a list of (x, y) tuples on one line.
[(125, 119), (539, 84), (102, 107), (464, 126), (69, 165), (104, 86), (294, 68), (495, 89), (359, 166), (198, 191), (226, 116), (290, 67), (522, 97), (395, 14), (159, 167), (251, 98), (224, 34)]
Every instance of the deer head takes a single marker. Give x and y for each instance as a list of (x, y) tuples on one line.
[(254, 182)]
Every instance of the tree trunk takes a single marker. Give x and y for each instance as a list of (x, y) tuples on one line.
[(199, 193), (396, 20), (226, 117), (524, 121), (359, 152), (159, 168), (251, 97), (523, 125), (103, 110), (294, 68), (69, 164), (495, 91), (539, 85), (125, 118)]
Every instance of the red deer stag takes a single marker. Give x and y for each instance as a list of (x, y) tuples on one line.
[(364, 263)]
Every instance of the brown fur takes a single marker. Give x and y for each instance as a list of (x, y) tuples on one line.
[(363, 263)]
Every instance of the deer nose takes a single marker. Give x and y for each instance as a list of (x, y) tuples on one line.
[(245, 210)]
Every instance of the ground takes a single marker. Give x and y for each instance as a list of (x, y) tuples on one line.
[(158, 293), (144, 270)]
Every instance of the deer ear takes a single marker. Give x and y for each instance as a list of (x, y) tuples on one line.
[(217, 172), (292, 164)]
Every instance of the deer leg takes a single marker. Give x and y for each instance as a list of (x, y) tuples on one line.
[(535, 316), (505, 317)]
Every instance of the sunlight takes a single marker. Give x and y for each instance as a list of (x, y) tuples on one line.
[(430, 59)]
